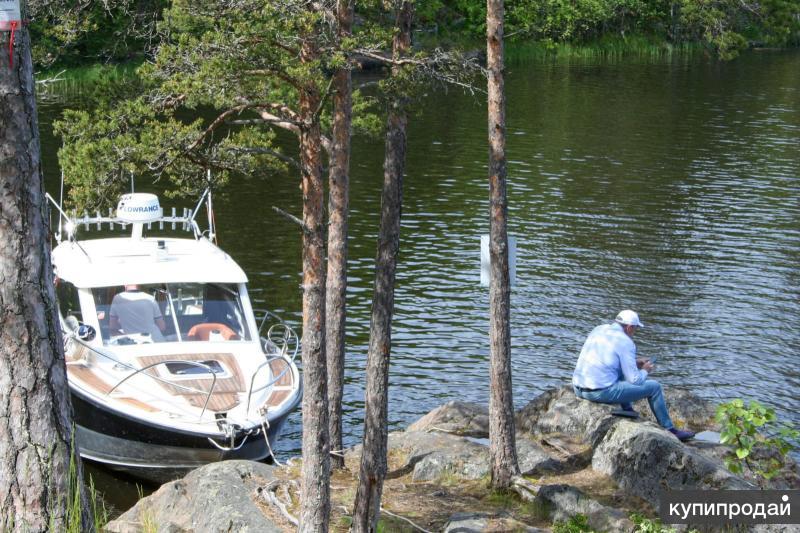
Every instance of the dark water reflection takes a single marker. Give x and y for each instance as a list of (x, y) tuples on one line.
[(670, 187)]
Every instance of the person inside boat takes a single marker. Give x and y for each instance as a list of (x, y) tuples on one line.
[(608, 372), (134, 311)]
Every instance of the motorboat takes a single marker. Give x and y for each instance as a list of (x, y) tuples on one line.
[(169, 366)]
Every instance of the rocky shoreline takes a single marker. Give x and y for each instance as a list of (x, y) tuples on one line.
[(578, 457)]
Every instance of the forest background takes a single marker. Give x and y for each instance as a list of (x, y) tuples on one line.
[(120, 31)]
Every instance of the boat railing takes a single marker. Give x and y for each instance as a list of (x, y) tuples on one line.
[(280, 336), (159, 379), (280, 339), (173, 384)]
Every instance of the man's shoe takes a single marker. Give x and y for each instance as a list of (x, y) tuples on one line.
[(682, 435)]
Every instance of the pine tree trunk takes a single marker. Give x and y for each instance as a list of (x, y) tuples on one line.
[(338, 207), (35, 411), (315, 497), (366, 509), (502, 449)]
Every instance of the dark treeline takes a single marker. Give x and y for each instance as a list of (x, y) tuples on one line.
[(726, 26), (88, 32)]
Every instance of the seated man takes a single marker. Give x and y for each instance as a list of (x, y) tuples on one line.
[(134, 311), (607, 371)]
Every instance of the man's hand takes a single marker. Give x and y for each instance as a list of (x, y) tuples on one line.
[(648, 366), (640, 361)]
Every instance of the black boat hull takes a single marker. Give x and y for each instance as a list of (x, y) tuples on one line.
[(156, 453)]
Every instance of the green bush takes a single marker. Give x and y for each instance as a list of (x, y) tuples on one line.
[(759, 441), (576, 524)]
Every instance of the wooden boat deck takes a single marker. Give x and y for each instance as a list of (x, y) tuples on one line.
[(90, 379), (229, 391)]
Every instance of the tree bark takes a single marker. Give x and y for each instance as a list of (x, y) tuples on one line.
[(35, 412), (315, 497), (338, 207), (502, 448), (366, 508)]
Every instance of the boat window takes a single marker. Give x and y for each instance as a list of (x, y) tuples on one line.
[(180, 368), (170, 312), (68, 302)]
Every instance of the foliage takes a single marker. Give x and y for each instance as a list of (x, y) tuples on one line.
[(649, 525), (241, 61), (237, 57), (72, 522), (76, 32), (70, 32), (726, 26), (759, 441), (576, 524)]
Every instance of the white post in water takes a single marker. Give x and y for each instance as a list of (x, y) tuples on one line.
[(486, 261)]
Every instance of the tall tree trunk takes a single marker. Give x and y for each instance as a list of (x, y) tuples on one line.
[(366, 509), (502, 449), (315, 497), (35, 411), (338, 207)]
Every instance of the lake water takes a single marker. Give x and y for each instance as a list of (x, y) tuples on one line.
[(671, 187)]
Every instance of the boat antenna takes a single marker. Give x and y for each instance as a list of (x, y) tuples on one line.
[(60, 203), (212, 230)]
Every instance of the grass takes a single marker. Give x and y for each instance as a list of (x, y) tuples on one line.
[(613, 48), (74, 82), (576, 524), (90, 73), (73, 516)]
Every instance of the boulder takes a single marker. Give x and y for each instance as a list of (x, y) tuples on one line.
[(467, 523), (534, 460), (472, 420), (559, 411), (432, 456), (561, 502), (460, 418), (215, 497), (436, 456), (644, 459), (482, 522), (686, 409)]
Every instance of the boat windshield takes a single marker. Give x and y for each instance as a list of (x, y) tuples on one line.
[(170, 312)]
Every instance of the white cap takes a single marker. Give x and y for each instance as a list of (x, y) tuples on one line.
[(629, 318)]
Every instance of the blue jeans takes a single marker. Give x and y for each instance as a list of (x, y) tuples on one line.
[(624, 393)]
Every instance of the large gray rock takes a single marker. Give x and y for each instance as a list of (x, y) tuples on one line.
[(472, 420), (438, 456), (644, 459), (467, 523), (432, 456), (460, 418), (559, 411), (561, 502), (535, 460), (686, 409), (482, 522), (215, 497)]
